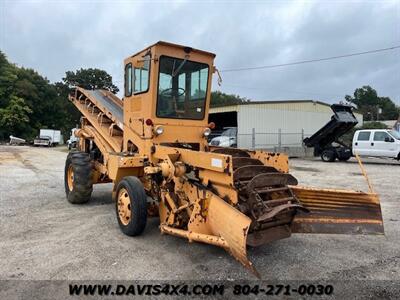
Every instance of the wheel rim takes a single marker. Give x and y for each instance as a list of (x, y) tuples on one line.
[(70, 178), (124, 207)]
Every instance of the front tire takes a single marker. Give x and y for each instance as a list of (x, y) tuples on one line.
[(131, 206), (78, 175)]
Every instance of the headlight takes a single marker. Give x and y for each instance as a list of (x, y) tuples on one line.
[(158, 130), (207, 132)]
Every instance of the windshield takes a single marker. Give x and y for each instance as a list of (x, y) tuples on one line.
[(395, 134), (182, 89)]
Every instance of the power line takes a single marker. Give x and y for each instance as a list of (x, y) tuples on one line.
[(286, 91), (310, 60)]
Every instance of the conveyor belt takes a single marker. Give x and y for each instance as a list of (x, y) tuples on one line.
[(107, 103), (103, 112)]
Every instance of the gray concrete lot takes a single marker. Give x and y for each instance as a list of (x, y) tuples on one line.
[(45, 237)]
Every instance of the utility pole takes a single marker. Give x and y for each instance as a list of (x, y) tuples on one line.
[(378, 113)]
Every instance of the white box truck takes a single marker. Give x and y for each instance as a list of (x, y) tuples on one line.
[(48, 137)]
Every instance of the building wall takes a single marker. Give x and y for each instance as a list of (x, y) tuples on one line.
[(283, 124)]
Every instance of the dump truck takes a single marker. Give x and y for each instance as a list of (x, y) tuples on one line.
[(152, 145), (326, 141)]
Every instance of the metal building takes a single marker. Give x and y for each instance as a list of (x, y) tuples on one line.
[(274, 124)]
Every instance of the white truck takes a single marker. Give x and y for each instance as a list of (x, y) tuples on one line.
[(377, 143), (366, 142), (73, 140), (228, 138), (48, 137)]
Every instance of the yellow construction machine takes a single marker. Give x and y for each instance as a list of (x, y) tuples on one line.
[(152, 146)]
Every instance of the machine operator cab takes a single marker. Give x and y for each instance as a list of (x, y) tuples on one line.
[(167, 90)]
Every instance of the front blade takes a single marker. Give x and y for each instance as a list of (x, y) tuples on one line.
[(227, 222), (337, 211)]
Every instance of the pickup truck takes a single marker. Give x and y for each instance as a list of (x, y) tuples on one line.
[(228, 138), (366, 142), (377, 143)]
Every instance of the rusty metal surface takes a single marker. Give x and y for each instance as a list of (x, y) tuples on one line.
[(338, 211), (195, 236), (245, 161), (279, 161), (233, 226), (234, 152), (248, 172), (278, 209), (271, 179), (266, 199)]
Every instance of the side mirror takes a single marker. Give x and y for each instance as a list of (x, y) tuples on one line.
[(389, 140)]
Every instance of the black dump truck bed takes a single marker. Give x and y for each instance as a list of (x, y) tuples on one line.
[(341, 122)]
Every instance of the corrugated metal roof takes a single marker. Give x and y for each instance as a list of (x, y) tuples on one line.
[(299, 105)]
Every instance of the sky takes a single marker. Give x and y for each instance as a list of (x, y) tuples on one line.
[(53, 37)]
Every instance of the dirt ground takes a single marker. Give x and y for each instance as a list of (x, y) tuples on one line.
[(45, 237)]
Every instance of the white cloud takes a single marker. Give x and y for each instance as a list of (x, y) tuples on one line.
[(57, 36)]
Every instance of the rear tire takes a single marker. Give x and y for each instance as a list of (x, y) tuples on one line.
[(78, 175), (328, 156), (131, 206)]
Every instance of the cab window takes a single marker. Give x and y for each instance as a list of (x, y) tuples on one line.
[(380, 136), (128, 80), (142, 76), (364, 136)]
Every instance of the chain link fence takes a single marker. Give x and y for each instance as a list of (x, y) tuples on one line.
[(280, 141)]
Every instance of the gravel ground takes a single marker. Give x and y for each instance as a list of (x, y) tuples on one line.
[(44, 237)]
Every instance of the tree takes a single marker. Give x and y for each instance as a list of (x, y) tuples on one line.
[(71, 113), (90, 79), (29, 102), (221, 99), (369, 104), (15, 116)]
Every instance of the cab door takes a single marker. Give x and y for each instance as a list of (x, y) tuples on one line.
[(383, 144), (362, 143)]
